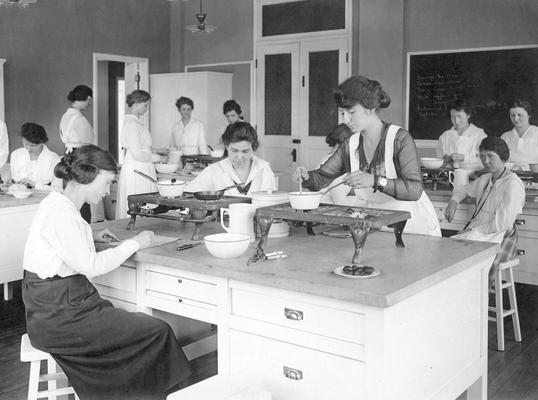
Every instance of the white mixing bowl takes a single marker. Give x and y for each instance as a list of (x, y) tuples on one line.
[(305, 200), (431, 162), (166, 168), (227, 245)]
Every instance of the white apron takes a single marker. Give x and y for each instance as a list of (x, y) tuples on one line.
[(423, 219)]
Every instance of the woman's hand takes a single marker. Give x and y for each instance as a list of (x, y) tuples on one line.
[(450, 210), (458, 157), (104, 236), (144, 239), (28, 182), (300, 174), (360, 180)]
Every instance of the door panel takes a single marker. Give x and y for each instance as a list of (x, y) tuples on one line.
[(296, 109)]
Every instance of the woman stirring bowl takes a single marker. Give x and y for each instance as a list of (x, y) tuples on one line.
[(33, 164), (106, 352), (380, 158), (522, 140), (241, 166), (188, 134), (460, 143)]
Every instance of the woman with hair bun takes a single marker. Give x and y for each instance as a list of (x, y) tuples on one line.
[(33, 164), (136, 142), (380, 159), (188, 134), (232, 111), (75, 130), (239, 166), (106, 353)]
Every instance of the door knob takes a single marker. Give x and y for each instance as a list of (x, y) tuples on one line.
[(294, 155)]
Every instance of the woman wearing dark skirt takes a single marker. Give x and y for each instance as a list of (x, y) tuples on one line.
[(106, 353)]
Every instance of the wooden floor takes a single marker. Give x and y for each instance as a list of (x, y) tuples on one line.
[(513, 374)]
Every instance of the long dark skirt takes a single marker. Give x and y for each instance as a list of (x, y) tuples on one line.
[(107, 353)]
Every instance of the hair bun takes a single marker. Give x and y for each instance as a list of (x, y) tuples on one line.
[(384, 99), (63, 169)]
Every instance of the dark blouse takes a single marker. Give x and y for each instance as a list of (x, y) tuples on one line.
[(408, 185)]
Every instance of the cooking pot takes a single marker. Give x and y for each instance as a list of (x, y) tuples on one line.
[(171, 188)]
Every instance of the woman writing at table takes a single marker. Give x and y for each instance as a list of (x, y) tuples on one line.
[(136, 141), (106, 353), (381, 159), (241, 166), (460, 143), (188, 134), (33, 164), (522, 140)]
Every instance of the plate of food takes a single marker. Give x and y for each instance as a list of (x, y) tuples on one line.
[(357, 271)]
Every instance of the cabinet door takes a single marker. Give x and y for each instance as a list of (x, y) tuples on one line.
[(293, 372)]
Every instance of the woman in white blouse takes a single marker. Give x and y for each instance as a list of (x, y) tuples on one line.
[(523, 138), (75, 130), (241, 166), (188, 134), (106, 353), (136, 141), (33, 164), (460, 143), (4, 144)]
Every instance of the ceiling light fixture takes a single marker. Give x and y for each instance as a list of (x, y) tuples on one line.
[(16, 3), (201, 26)]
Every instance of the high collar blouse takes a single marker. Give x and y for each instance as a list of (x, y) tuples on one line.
[(524, 149), (221, 174), (467, 143), (75, 130), (189, 138), (61, 243)]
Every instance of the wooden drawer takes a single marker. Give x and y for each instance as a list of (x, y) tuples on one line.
[(181, 287), (463, 214), (121, 304), (325, 321), (122, 278), (527, 254), (293, 372), (527, 222)]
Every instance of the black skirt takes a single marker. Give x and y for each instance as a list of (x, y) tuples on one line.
[(106, 352)]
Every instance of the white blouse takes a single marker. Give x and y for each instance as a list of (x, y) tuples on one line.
[(61, 243), (4, 143), (467, 143), (41, 171), (503, 201), (524, 149), (75, 130), (221, 174), (190, 138)]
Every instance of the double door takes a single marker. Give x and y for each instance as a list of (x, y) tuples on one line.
[(295, 101)]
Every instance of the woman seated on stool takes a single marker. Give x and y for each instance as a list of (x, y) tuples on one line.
[(106, 353), (500, 196), (460, 143), (241, 166), (33, 164)]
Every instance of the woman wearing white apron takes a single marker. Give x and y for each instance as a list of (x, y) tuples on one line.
[(136, 140), (522, 140), (381, 159), (460, 143)]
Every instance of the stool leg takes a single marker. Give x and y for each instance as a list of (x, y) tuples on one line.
[(499, 310), (513, 305), (51, 369), (33, 381)]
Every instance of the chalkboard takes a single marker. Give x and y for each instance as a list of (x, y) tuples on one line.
[(489, 78)]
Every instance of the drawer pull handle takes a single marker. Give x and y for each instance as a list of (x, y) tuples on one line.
[(179, 281), (180, 300), (520, 252), (294, 315), (520, 221), (292, 373)]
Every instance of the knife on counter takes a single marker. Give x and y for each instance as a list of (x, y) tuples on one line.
[(188, 246)]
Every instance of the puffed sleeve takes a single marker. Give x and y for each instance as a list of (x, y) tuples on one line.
[(268, 178), (440, 150), (73, 243), (202, 141), (16, 165), (336, 165), (205, 180), (4, 144), (174, 136), (132, 142)]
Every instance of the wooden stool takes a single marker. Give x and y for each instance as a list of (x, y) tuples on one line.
[(498, 309), (30, 354)]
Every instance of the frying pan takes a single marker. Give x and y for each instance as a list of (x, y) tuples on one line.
[(212, 194)]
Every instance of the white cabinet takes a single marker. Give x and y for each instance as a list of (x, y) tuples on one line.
[(208, 91), (119, 286), (2, 108)]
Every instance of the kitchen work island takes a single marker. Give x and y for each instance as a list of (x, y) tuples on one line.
[(293, 327), (15, 218)]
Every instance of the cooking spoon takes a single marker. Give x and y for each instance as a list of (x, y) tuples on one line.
[(145, 176)]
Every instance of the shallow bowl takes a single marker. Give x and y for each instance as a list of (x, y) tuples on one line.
[(21, 194), (168, 188), (305, 200), (227, 245), (431, 162), (166, 168)]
